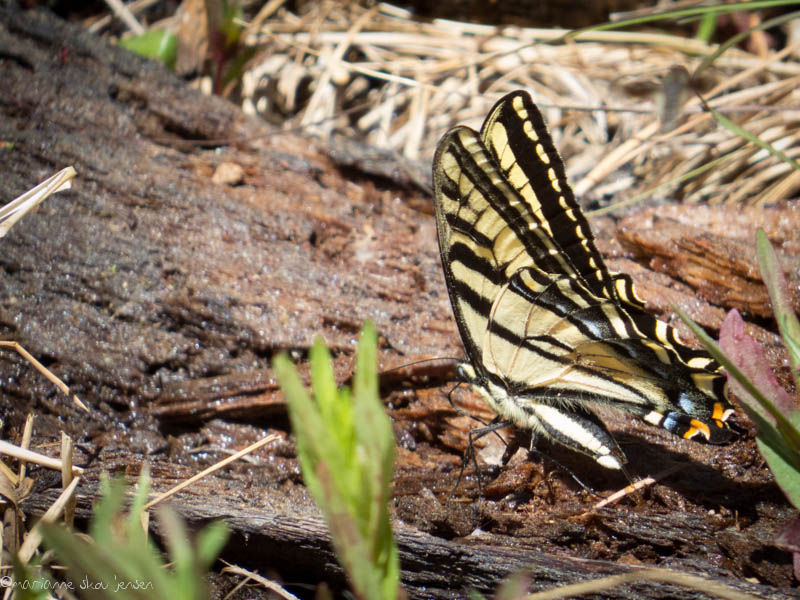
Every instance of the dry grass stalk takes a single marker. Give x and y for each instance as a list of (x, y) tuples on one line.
[(212, 469), (400, 84), (44, 371), (52, 514), (23, 454)]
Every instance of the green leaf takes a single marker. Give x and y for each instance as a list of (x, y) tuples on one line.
[(122, 563), (305, 421), (749, 356), (112, 494), (335, 409), (786, 472), (741, 132), (230, 27), (209, 543), (778, 289), (159, 44)]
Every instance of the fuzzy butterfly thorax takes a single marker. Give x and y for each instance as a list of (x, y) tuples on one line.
[(548, 331)]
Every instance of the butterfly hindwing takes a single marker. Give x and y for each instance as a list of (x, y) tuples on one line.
[(547, 329)]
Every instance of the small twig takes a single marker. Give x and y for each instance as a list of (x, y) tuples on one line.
[(708, 586), (20, 206), (635, 486), (267, 583), (126, 16)]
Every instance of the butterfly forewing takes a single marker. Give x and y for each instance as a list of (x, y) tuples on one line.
[(515, 134), (547, 328), (479, 249)]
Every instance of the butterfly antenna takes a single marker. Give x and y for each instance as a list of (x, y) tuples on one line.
[(437, 371)]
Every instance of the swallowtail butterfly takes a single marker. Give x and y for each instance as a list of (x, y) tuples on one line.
[(548, 330)]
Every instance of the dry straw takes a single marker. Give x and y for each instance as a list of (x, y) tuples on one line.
[(399, 84)]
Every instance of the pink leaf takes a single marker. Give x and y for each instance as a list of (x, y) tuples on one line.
[(789, 539), (749, 356)]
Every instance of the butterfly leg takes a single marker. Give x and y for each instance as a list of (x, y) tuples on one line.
[(470, 454), (530, 443)]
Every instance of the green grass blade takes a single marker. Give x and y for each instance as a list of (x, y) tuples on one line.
[(787, 474), (685, 13), (774, 279), (707, 27), (730, 125), (733, 41), (667, 184), (305, 421), (210, 541)]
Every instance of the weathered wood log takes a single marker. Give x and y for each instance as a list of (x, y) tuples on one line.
[(289, 537), (713, 249), (160, 294)]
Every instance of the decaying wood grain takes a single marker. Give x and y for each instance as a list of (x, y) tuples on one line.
[(713, 249), (291, 534), (157, 294)]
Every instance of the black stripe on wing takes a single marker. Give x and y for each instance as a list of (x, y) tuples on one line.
[(489, 209), (516, 135), (485, 232)]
